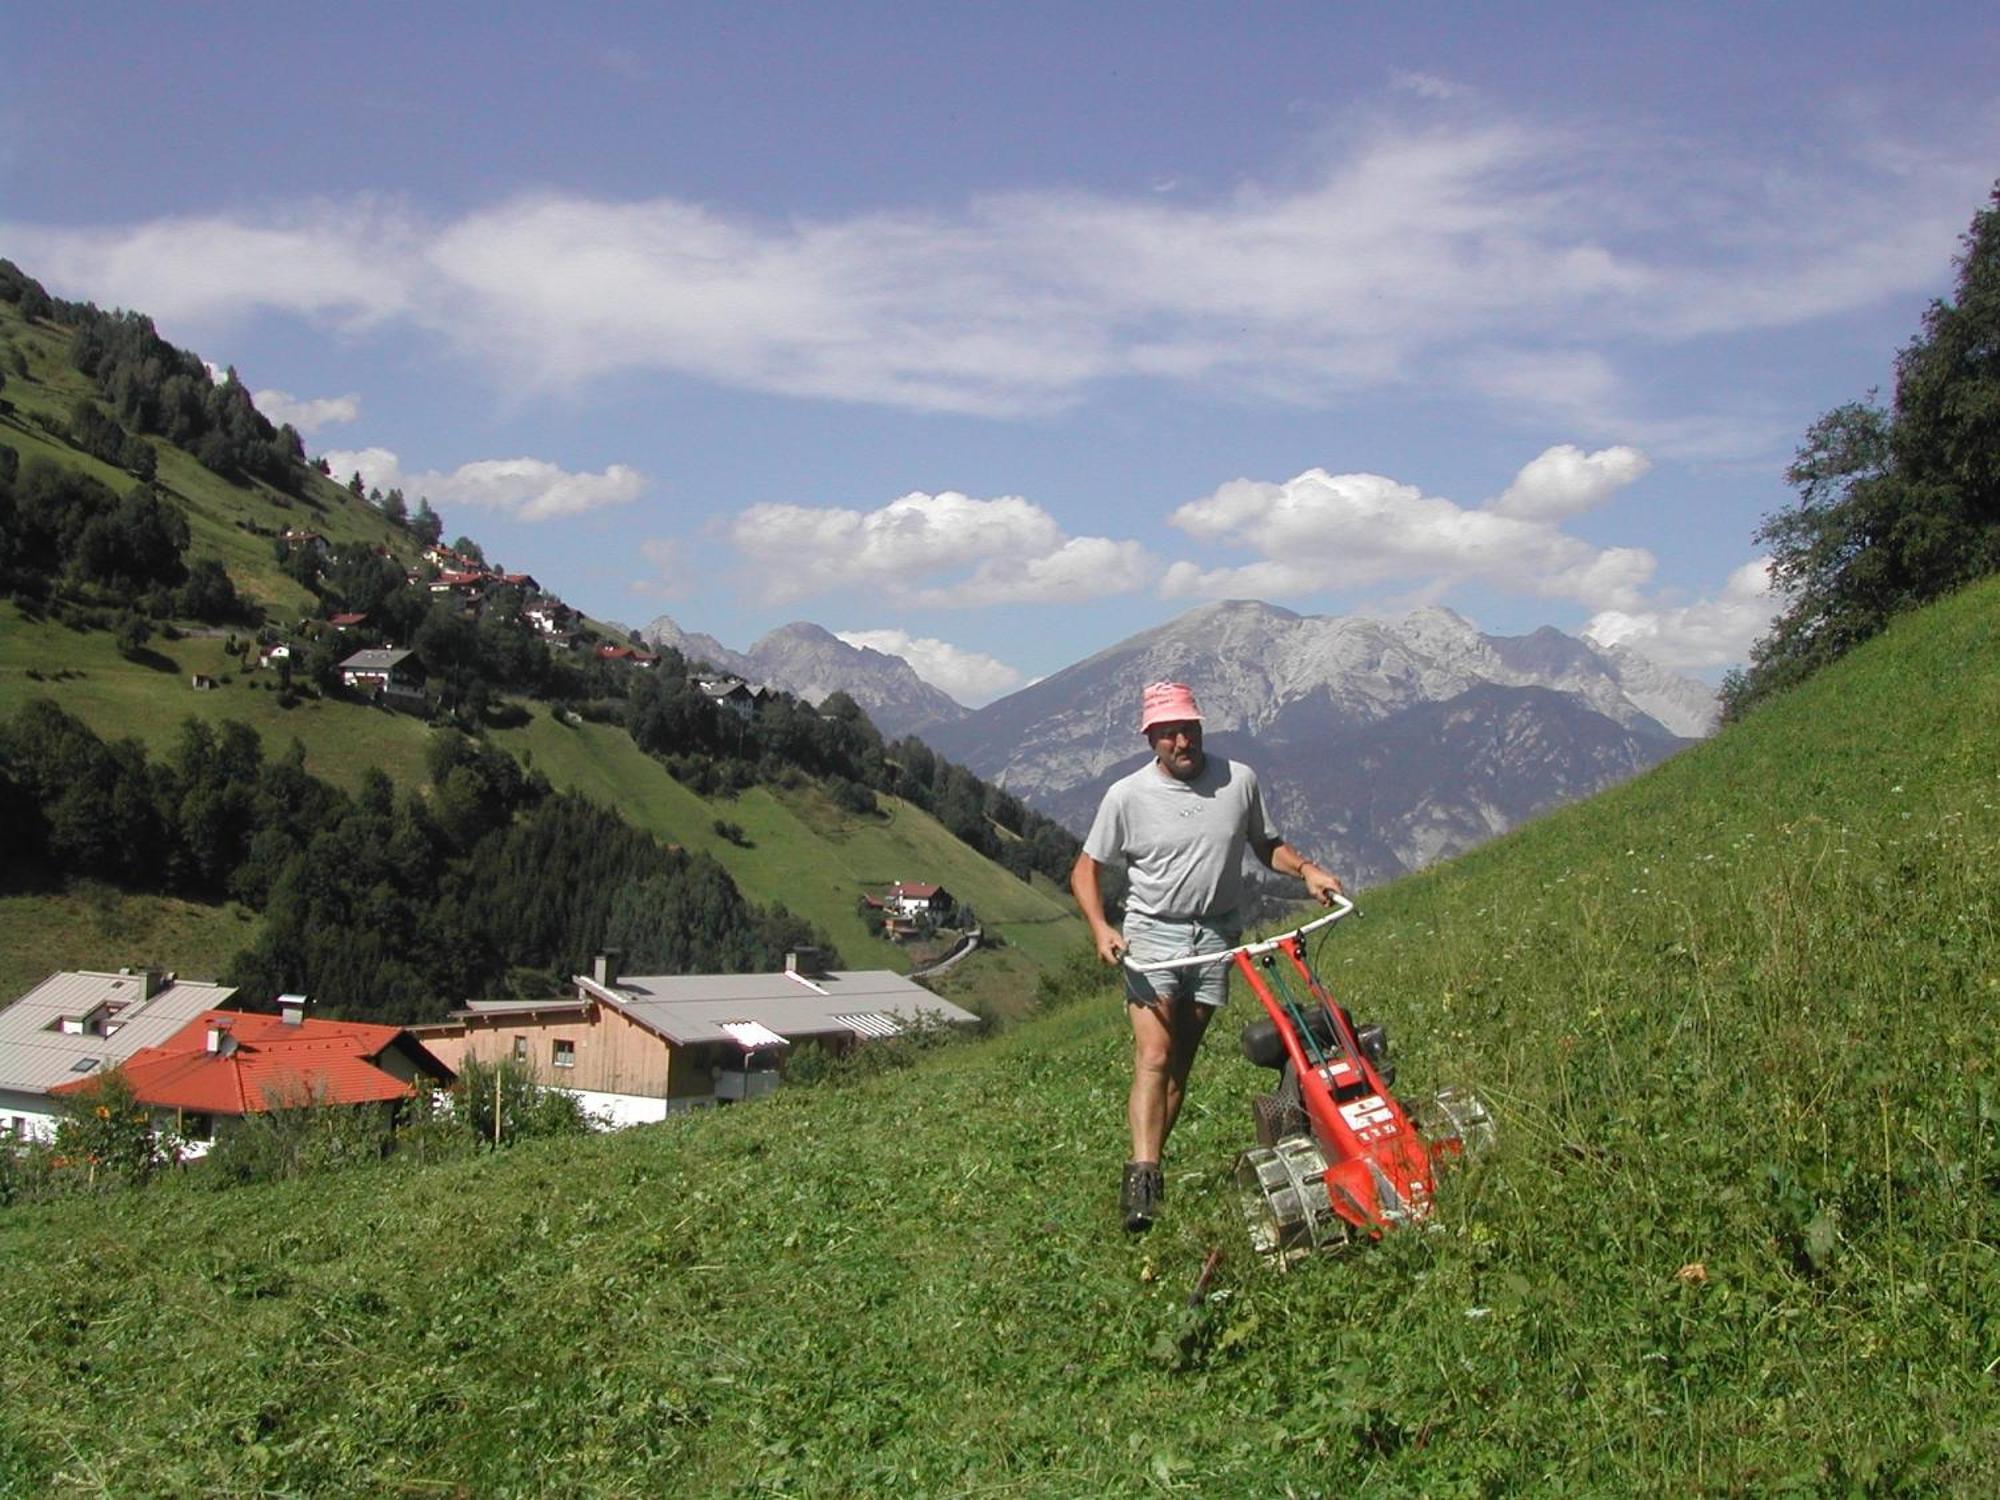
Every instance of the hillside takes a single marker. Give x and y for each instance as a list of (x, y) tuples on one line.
[(798, 848), (1741, 1235)]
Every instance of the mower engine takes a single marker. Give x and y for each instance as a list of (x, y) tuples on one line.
[(1337, 1153)]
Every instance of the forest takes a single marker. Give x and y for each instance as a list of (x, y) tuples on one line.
[(391, 905)]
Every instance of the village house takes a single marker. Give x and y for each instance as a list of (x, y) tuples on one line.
[(913, 898), (75, 1025), (630, 654), (226, 1065), (637, 1048), (549, 617), (468, 584), (731, 693), (394, 677)]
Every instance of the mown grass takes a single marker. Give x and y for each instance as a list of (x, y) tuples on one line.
[(1736, 1019)]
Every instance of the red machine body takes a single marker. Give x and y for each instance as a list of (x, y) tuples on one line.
[(1377, 1169), (1338, 1153)]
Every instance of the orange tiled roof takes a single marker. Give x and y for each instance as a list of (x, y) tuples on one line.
[(273, 1063)]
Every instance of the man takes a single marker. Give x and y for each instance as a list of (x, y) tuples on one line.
[(1179, 825)]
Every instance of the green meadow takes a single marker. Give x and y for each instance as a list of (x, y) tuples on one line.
[(1741, 1233)]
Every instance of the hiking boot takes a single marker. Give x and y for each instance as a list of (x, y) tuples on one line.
[(1139, 1198)]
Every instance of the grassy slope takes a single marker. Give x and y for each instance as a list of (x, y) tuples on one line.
[(1737, 1020), (799, 849)]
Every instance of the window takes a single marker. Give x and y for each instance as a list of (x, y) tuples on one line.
[(565, 1053), (520, 1049)]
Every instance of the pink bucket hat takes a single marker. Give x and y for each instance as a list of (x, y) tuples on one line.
[(1167, 703)]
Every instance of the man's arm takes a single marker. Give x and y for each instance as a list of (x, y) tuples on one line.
[(1090, 900), (1321, 885)]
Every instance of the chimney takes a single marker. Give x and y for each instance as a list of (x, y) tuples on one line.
[(604, 968), (803, 961), (292, 1009), (221, 1043)]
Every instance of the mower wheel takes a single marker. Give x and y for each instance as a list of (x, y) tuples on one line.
[(1456, 1114)]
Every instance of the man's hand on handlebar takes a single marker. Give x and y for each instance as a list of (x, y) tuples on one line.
[(1321, 885)]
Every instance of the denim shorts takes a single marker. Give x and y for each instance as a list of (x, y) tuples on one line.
[(1155, 939)]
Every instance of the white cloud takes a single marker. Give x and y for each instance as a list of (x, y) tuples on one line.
[(353, 263), (1566, 481), (528, 489), (671, 565), (971, 677), (946, 549), (1566, 257), (308, 416), (1324, 531), (1709, 633)]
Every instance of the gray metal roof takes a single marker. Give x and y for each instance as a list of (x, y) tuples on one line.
[(36, 1053), (691, 1008), (374, 659)]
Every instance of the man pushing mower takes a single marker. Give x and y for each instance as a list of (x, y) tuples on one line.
[(1179, 825)]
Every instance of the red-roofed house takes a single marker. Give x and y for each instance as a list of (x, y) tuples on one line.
[(226, 1064), (632, 654), (913, 898)]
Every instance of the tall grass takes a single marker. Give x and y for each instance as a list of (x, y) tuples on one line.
[(1736, 1019)]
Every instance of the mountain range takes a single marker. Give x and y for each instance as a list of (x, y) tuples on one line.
[(812, 663), (1382, 744)]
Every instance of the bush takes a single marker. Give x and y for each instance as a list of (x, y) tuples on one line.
[(523, 1107), (105, 1137), (300, 1136), (810, 1064)]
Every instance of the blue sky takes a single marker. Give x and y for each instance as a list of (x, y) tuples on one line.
[(996, 334)]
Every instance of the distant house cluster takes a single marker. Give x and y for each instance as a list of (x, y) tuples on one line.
[(194, 1064), (637, 1048), (632, 1048)]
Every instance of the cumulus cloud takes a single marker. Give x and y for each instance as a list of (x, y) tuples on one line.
[(528, 489), (1414, 241), (946, 549), (1566, 481), (1708, 633), (308, 416), (1324, 531), (970, 677)]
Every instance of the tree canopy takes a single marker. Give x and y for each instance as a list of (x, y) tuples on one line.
[(1896, 505)]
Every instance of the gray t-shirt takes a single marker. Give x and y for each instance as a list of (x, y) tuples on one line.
[(1181, 842)]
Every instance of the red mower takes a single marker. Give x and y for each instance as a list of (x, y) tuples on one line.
[(1337, 1154)]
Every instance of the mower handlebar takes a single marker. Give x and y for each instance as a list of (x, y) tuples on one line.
[(1341, 907)]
